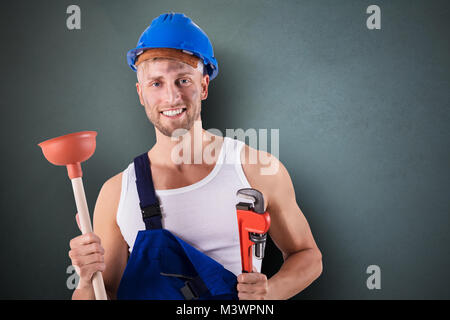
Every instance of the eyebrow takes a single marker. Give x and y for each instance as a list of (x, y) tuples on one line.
[(185, 73), (180, 74)]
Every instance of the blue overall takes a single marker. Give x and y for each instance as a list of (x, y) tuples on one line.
[(164, 267)]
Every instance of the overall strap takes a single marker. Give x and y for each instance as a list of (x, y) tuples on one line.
[(194, 288), (151, 212)]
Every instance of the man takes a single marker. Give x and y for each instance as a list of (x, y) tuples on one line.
[(175, 63)]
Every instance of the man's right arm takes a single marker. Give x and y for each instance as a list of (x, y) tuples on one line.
[(103, 250)]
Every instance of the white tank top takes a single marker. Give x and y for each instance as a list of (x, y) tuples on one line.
[(202, 214)]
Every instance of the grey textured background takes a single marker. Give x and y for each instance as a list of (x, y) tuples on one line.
[(363, 118)]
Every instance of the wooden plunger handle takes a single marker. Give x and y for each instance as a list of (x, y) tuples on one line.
[(86, 227)]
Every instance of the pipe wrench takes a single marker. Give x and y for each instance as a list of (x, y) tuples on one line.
[(253, 224)]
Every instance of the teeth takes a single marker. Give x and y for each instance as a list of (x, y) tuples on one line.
[(172, 113)]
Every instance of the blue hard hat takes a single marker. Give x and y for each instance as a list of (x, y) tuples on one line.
[(176, 31)]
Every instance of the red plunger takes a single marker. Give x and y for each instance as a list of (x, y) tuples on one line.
[(70, 150)]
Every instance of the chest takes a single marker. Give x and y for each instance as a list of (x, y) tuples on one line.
[(165, 178)]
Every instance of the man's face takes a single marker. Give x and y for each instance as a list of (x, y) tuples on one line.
[(171, 92)]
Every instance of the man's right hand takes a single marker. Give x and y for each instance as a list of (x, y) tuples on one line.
[(87, 256)]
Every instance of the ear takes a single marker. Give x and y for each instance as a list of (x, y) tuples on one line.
[(205, 84), (139, 92)]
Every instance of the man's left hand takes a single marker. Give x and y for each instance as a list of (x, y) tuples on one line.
[(252, 286)]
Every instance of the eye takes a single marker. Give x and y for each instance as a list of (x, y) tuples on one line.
[(155, 84), (185, 81)]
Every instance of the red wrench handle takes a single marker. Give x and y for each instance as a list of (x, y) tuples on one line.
[(248, 222)]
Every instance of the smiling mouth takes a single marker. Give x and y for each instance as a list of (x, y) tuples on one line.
[(173, 113)]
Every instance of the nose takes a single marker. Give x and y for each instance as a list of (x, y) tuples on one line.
[(172, 94)]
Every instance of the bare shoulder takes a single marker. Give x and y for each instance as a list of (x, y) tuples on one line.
[(264, 172), (113, 185), (108, 198)]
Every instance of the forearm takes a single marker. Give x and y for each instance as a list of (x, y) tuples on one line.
[(298, 271)]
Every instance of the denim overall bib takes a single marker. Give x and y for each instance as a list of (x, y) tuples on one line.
[(162, 266)]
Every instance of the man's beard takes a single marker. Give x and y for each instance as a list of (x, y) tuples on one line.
[(191, 114)]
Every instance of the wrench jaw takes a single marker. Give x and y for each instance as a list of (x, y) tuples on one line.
[(253, 225), (253, 195)]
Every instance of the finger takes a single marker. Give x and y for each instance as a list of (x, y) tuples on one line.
[(258, 288), (84, 239), (84, 250), (76, 242), (82, 261), (87, 271), (245, 288), (253, 277), (93, 259), (77, 217), (246, 296)]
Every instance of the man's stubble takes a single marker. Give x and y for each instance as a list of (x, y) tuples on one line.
[(191, 115)]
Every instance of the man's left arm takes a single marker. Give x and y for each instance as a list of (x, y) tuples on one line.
[(289, 231)]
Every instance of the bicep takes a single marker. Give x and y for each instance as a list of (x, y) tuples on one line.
[(289, 228), (105, 226)]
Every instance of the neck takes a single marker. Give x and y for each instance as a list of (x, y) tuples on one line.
[(186, 149)]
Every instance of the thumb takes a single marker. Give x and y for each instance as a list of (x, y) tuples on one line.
[(254, 269), (78, 221)]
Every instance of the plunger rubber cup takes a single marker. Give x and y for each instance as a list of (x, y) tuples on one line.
[(70, 150)]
